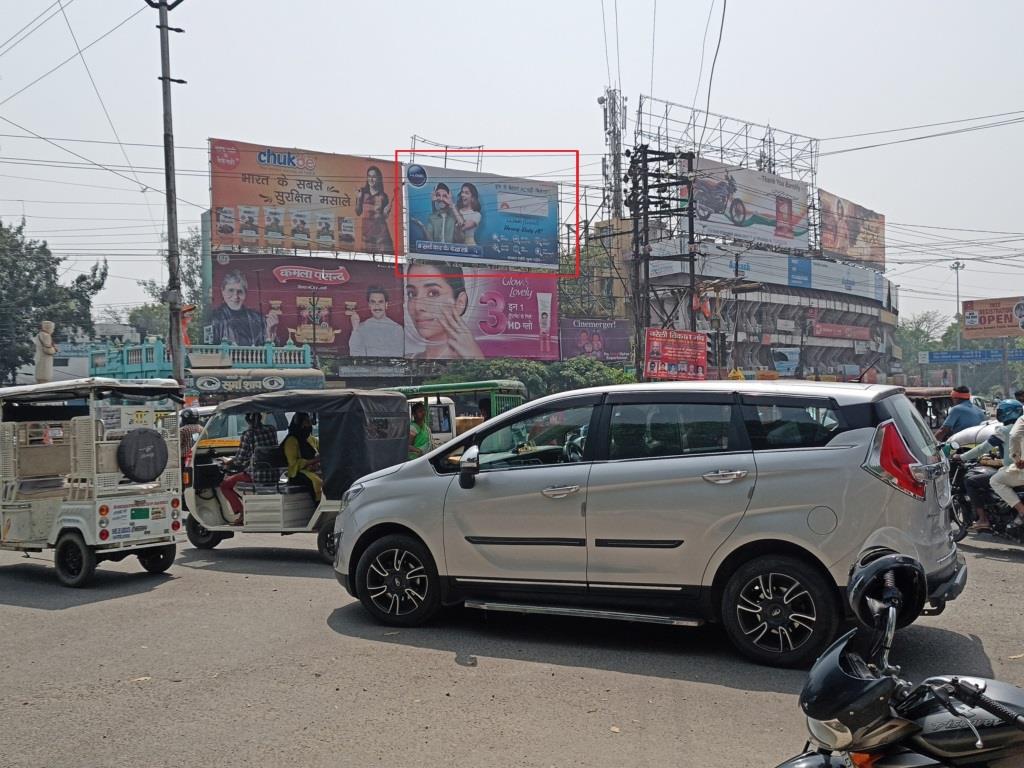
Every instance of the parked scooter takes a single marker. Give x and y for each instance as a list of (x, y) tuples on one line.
[(860, 712), (718, 197)]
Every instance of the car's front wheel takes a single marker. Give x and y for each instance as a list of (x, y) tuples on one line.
[(780, 611), (397, 581)]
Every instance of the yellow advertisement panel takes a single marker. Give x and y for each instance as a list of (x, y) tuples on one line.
[(273, 197), (994, 318)]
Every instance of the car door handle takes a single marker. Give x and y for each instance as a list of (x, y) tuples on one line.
[(723, 476), (560, 491)]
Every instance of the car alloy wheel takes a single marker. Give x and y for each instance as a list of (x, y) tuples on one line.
[(776, 612), (397, 582)]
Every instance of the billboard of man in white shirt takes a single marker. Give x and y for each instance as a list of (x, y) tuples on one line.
[(378, 335)]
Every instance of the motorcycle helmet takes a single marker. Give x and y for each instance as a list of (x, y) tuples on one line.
[(1008, 411), (189, 416), (843, 699), (867, 591)]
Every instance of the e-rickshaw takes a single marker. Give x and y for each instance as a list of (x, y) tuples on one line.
[(359, 432), (442, 417), (91, 469)]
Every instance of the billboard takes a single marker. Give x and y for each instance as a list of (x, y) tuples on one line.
[(851, 232), (994, 318), (750, 205), (345, 307), (466, 217), (454, 312), (596, 337), (835, 331), (671, 355), (272, 197)]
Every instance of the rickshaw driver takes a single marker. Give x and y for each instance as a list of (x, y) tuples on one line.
[(258, 435)]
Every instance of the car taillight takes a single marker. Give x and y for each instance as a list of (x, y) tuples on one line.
[(176, 525), (186, 478), (104, 534), (890, 460)]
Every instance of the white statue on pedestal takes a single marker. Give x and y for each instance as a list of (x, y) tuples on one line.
[(45, 350)]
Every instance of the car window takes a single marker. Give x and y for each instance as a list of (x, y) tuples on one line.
[(552, 436), (650, 430), (774, 425), (440, 419)]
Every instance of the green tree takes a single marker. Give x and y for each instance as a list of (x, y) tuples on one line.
[(532, 373), (190, 253), (921, 332), (31, 291), (540, 378), (149, 319), (580, 372)]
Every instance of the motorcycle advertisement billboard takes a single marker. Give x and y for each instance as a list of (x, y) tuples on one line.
[(671, 355), (346, 307), (994, 318), (851, 232), (273, 197), (479, 218), (601, 338), (750, 205), (454, 312)]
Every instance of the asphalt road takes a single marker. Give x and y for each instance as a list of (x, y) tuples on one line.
[(252, 655)]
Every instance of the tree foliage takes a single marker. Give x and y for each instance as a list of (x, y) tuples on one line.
[(190, 254), (31, 291), (540, 378)]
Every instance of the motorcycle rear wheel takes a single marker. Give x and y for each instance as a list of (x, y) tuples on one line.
[(961, 516)]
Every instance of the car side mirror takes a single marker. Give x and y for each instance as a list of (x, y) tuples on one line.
[(469, 467)]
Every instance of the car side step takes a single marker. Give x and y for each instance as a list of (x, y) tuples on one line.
[(589, 613)]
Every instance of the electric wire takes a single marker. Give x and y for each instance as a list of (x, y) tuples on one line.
[(28, 34)]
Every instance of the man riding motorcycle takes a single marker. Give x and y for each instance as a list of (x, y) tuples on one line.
[(1008, 412), (1007, 480)]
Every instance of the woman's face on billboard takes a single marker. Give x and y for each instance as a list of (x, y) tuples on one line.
[(431, 301)]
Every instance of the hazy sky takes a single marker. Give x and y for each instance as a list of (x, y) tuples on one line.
[(362, 77)]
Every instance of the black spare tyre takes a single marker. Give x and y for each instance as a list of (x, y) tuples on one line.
[(142, 455)]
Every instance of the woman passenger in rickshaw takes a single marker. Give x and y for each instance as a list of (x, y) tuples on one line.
[(301, 450)]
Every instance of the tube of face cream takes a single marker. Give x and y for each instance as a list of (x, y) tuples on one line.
[(544, 310)]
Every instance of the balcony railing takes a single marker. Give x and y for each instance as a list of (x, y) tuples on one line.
[(152, 360)]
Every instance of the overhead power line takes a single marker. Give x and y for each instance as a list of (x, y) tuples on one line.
[(71, 57), (711, 77), (28, 34), (954, 132), (923, 125)]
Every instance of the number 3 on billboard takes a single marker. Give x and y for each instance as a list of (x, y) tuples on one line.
[(496, 321)]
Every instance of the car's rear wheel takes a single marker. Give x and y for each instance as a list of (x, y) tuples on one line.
[(780, 611), (397, 581)]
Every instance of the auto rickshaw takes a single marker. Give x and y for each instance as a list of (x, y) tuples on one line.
[(442, 410), (91, 469), (358, 432)]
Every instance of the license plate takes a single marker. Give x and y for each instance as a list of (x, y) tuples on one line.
[(140, 513)]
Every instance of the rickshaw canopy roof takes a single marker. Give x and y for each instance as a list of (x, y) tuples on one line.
[(321, 401), (73, 389)]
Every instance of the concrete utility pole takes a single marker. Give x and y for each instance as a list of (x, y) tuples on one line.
[(691, 242), (174, 335), (956, 266)]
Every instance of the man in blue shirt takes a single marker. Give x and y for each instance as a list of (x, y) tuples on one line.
[(961, 416)]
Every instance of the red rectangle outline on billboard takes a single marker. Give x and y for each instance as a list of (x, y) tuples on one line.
[(554, 276)]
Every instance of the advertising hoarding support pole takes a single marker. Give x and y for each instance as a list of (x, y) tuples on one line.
[(690, 240), (956, 266), (633, 202), (1007, 389), (174, 336)]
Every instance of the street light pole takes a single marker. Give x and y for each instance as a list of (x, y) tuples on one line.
[(173, 295), (956, 266)]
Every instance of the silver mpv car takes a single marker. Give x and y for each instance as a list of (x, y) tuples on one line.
[(744, 503)]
